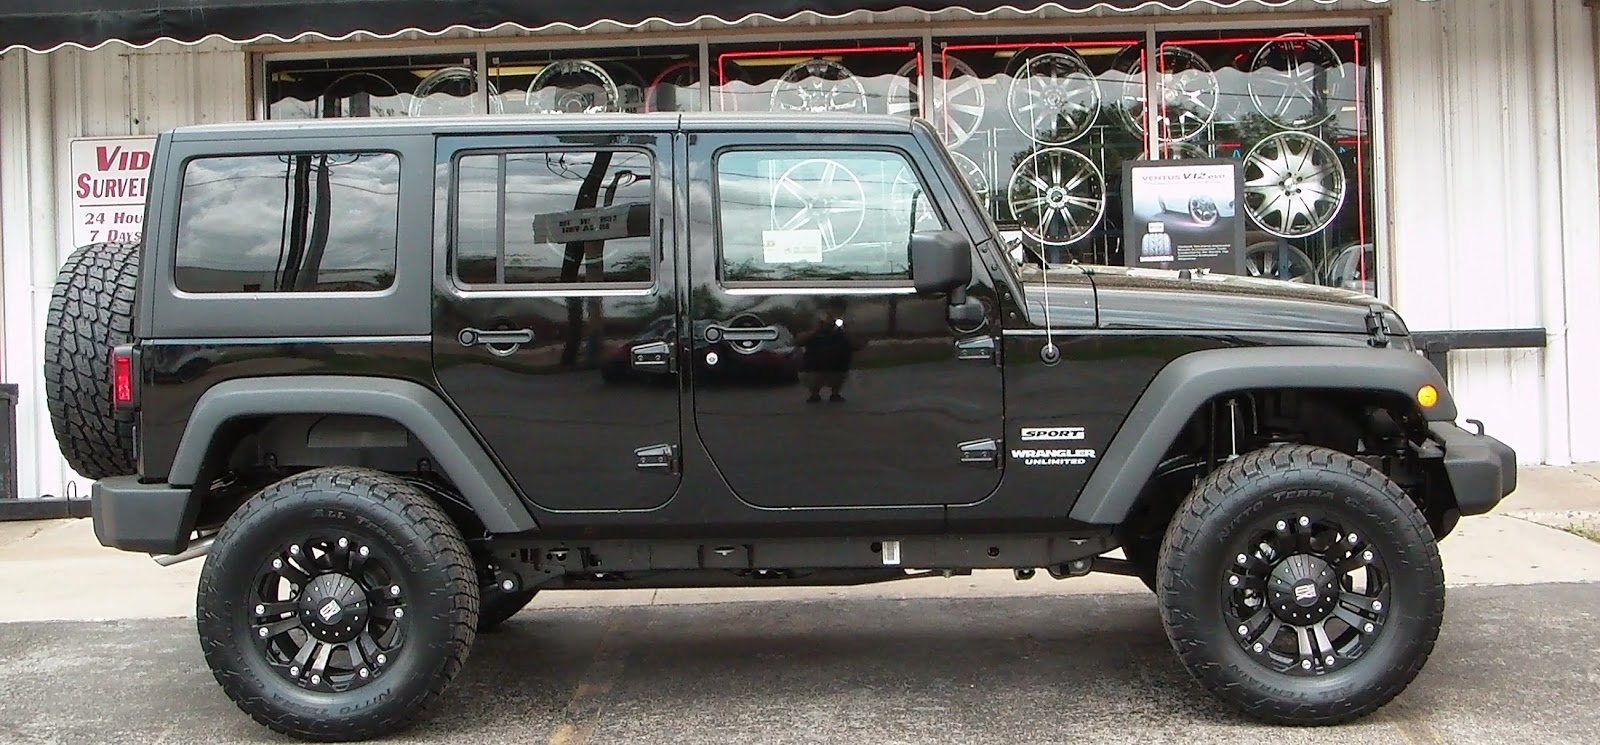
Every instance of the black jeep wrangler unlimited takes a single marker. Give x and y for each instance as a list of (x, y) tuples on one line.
[(398, 377)]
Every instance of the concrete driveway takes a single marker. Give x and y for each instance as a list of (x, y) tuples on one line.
[(97, 646)]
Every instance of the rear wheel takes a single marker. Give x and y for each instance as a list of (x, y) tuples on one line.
[(1301, 586), (91, 311), (337, 604)]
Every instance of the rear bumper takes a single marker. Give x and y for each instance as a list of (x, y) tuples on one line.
[(152, 518), (1481, 469)]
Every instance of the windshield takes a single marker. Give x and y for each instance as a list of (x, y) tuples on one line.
[(989, 226)]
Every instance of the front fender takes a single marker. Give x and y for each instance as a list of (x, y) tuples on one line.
[(1187, 383)]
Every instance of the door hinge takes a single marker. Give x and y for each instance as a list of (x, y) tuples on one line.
[(654, 357), (657, 459), (980, 453), (976, 348)]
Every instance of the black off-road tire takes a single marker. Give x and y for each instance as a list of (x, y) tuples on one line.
[(402, 526), (1198, 556), (91, 311), (497, 606)]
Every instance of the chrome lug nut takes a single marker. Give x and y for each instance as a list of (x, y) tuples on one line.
[(277, 563), (1353, 538), (344, 543), (1328, 660), (399, 612), (1366, 556), (1305, 664), (1259, 647), (1244, 630), (363, 551), (394, 590), (508, 585), (1368, 628), (1243, 559), (1282, 525), (294, 672), (1304, 521), (1377, 605), (363, 673), (262, 632), (294, 550), (383, 659), (1233, 580), (261, 610), (316, 680)]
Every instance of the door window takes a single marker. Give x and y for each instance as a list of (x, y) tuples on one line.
[(797, 215), (554, 217)]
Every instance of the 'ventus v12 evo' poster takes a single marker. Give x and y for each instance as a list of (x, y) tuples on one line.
[(1184, 215)]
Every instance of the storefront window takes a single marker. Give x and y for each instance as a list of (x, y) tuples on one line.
[(1294, 108), (412, 85), (624, 79), (1039, 125)]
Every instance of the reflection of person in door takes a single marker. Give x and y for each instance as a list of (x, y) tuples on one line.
[(828, 348)]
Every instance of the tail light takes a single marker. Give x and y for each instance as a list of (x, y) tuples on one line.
[(123, 382)]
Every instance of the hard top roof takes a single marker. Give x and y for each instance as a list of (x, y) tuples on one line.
[(549, 123)]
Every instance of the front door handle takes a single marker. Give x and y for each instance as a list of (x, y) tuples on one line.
[(654, 357), (715, 333), (499, 342)]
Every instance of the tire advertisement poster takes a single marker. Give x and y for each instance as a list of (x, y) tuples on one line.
[(110, 178), (1185, 215)]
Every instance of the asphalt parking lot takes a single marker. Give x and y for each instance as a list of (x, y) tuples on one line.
[(1515, 664)]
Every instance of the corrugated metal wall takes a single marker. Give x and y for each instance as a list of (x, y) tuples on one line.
[(1494, 196), (50, 99), (1493, 203)]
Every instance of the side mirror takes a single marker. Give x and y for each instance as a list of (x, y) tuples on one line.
[(941, 262)]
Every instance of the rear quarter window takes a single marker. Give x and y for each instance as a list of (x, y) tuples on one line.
[(299, 222)]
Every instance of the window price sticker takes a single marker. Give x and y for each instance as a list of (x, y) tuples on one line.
[(791, 246)]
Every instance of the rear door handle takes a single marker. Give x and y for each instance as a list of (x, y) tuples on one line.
[(716, 333), (500, 342)]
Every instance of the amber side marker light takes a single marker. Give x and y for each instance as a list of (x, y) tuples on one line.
[(1428, 396)]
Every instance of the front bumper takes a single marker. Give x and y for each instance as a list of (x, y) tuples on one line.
[(1481, 469), (152, 518)]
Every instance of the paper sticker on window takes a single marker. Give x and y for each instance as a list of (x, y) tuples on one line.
[(791, 246), (596, 224)]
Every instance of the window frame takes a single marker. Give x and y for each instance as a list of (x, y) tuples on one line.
[(182, 173), (560, 289), (753, 286)]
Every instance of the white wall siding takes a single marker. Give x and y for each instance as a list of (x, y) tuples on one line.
[(51, 99), (1493, 198)]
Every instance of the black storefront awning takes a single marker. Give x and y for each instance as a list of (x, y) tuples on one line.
[(45, 25)]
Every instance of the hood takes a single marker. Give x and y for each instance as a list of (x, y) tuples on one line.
[(1133, 299)]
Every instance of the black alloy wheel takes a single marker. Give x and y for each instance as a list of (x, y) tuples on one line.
[(1301, 586), (337, 604)]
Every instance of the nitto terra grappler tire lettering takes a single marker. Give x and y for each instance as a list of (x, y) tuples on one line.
[(1301, 586), (337, 604), (91, 311)]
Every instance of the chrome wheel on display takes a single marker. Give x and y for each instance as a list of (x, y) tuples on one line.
[(1189, 93), (908, 195), (572, 87), (1294, 184), (452, 91), (956, 100), (676, 88), (1353, 268), (821, 195), (1272, 260), (1054, 98), (975, 178), (1057, 196), (1293, 79), (349, 85), (819, 85)]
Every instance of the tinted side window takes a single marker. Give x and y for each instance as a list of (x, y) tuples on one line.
[(318, 222), (554, 217), (801, 215)]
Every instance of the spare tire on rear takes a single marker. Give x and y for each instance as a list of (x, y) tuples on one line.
[(91, 312)]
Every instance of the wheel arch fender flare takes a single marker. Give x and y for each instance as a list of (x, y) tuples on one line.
[(1187, 383), (420, 410)]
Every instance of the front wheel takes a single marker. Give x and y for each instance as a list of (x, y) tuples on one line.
[(1301, 586), (337, 604)]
